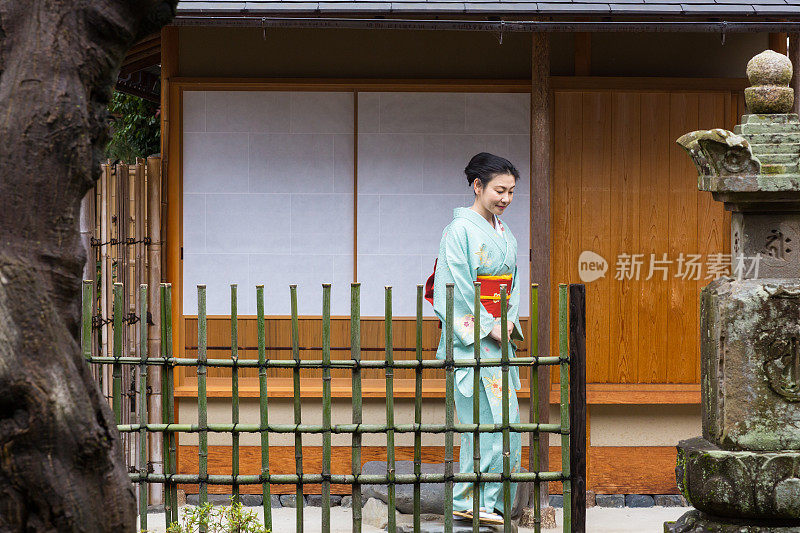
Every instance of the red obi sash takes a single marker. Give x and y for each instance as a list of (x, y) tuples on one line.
[(490, 290)]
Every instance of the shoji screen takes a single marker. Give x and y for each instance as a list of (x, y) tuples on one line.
[(412, 149), (267, 191)]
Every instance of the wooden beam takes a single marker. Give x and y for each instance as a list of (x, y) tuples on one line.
[(597, 393), (617, 469), (794, 56), (540, 180), (777, 42), (583, 54)]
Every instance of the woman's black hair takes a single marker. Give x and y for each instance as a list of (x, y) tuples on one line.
[(485, 166)]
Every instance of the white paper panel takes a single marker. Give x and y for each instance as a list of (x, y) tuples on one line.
[(268, 198), (412, 150)]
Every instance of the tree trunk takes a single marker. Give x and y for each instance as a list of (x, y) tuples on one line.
[(61, 465)]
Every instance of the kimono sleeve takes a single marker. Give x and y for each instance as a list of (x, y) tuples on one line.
[(463, 274)]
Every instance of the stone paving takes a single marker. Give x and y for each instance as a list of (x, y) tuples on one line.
[(599, 520)]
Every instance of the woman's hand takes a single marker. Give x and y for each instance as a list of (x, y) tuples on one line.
[(496, 332)]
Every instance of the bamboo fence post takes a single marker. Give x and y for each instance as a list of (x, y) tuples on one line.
[(534, 390), (326, 407), (202, 400), (355, 354), (105, 278), (476, 413), (389, 371), (577, 404), (235, 391), (169, 502), (298, 436), (266, 500), (449, 415), (155, 384), (116, 394), (86, 319), (418, 413), (143, 409), (169, 405), (563, 353), (505, 399)]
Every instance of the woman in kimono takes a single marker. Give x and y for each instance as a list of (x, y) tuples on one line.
[(478, 246)]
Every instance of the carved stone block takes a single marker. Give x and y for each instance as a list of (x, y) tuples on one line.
[(750, 357), (775, 236)]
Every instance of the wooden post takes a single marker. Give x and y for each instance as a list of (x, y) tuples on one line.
[(794, 56), (777, 42), (170, 130), (541, 155), (154, 328), (577, 404)]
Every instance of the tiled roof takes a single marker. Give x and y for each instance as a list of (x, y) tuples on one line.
[(717, 8)]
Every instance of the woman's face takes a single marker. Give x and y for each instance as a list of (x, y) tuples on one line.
[(497, 194)]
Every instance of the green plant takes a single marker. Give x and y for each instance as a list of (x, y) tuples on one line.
[(135, 128), (232, 519)]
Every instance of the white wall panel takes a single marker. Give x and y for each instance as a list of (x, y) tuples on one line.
[(248, 111), (268, 198), (298, 163), (215, 162), (412, 150)]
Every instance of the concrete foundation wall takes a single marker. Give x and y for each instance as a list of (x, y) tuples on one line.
[(610, 425)]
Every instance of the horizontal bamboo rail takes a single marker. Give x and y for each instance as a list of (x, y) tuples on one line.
[(149, 431)]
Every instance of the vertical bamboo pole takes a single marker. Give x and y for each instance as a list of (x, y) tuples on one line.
[(116, 394), (143, 408), (507, 524), (476, 410), (104, 283), (355, 354), (155, 383), (202, 398), (263, 410), (563, 353), (168, 414), (418, 413), (235, 391), (298, 437), (387, 321), (86, 319), (326, 407), (166, 369), (448, 412), (534, 380)]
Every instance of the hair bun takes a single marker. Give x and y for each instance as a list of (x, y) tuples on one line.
[(485, 166)]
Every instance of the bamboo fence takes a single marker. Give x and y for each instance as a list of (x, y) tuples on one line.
[(121, 230), (571, 356)]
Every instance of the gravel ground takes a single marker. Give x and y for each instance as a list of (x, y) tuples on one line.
[(598, 520)]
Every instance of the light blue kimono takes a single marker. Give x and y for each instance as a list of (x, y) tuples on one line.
[(471, 246)]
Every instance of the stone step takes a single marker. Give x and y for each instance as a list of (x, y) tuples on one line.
[(767, 119), (787, 148), (772, 138), (779, 169), (777, 159), (749, 129)]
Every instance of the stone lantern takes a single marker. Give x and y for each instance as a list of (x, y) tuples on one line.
[(743, 474)]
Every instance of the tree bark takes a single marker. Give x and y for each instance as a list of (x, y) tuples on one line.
[(61, 464)]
